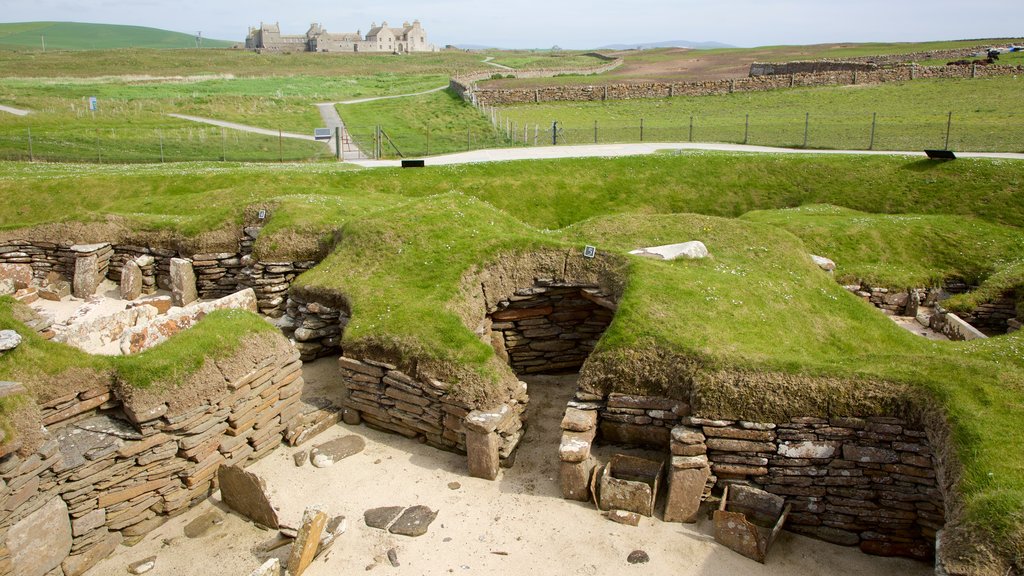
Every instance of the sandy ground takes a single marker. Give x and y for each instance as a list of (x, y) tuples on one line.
[(518, 524), (911, 324)]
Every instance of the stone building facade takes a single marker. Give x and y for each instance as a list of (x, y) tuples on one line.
[(383, 38)]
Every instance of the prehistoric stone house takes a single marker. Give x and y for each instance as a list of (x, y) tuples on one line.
[(408, 38)]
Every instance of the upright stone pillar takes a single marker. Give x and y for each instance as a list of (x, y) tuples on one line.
[(183, 282), (131, 281), (579, 427), (483, 442), (687, 475), (86, 276)]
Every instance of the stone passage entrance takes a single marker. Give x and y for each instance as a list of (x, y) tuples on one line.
[(550, 328)]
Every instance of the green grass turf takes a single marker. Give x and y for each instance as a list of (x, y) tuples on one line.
[(435, 123), (85, 36), (911, 116)]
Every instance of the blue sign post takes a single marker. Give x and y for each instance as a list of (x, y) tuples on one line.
[(92, 103)]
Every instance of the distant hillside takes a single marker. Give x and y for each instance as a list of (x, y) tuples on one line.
[(668, 44), (83, 36)]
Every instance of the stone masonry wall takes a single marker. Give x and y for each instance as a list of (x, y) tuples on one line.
[(859, 481), (572, 93), (550, 328), (217, 274), (387, 398), (808, 67), (106, 474), (315, 327)]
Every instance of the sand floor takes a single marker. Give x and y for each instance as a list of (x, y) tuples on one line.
[(518, 524)]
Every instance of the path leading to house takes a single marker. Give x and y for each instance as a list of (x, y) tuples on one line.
[(349, 149), (243, 127), (495, 64), (637, 149), (375, 98), (15, 111)]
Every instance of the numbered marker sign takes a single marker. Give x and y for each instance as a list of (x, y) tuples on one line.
[(262, 215), (589, 252), (92, 103)]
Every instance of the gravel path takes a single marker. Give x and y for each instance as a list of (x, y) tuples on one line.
[(495, 64), (375, 98), (15, 111), (617, 150)]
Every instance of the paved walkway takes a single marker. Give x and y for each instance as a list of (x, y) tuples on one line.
[(495, 64), (375, 98), (15, 111), (617, 150), (349, 149), (243, 127)]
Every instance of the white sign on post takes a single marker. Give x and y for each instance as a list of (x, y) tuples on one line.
[(589, 252), (92, 103)]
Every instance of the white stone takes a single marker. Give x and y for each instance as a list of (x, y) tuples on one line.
[(807, 449), (9, 340), (823, 263), (693, 250), (271, 567), (7, 287)]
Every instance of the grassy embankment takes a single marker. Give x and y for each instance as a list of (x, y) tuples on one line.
[(911, 116), (757, 306), (85, 36)]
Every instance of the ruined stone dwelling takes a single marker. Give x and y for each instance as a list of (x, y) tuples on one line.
[(382, 38)]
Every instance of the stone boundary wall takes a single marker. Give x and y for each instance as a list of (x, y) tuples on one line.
[(106, 473), (867, 481), (465, 84), (809, 67), (570, 93), (217, 274), (386, 398), (550, 328), (952, 54), (315, 327)]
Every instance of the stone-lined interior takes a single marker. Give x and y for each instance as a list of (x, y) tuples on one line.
[(550, 327)]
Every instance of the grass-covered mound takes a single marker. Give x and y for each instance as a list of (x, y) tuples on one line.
[(174, 372)]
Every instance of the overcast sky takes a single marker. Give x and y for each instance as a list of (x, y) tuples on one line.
[(567, 23)]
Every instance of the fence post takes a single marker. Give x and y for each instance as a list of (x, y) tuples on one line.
[(874, 119), (161, 132), (428, 143), (223, 145), (641, 129), (807, 126), (99, 154), (949, 124), (554, 133), (337, 143), (595, 131), (536, 133), (746, 130), (469, 139), (691, 128), (31, 156)]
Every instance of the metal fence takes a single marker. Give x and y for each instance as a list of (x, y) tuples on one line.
[(128, 145)]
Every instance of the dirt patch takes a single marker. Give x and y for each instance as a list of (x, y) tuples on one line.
[(120, 230)]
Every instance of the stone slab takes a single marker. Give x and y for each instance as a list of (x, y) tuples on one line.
[(246, 493), (414, 521), (381, 518), (41, 541), (324, 455)]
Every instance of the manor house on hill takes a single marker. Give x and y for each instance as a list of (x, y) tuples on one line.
[(408, 38)]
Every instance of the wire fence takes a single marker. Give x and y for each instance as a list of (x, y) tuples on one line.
[(138, 145), (975, 132)]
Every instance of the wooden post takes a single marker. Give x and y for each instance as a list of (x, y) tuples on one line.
[(31, 156), (746, 130), (874, 119), (280, 146), (807, 126), (691, 128), (223, 145), (949, 124), (641, 129), (595, 131), (337, 143), (161, 146)]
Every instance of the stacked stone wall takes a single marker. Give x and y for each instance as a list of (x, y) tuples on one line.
[(551, 328), (106, 473), (315, 327), (217, 274), (628, 91), (858, 481), (387, 398), (809, 67)]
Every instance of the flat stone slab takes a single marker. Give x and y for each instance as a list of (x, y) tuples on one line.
[(9, 340), (11, 389), (413, 522), (92, 439), (338, 449), (381, 518), (203, 524), (39, 542), (693, 250), (246, 493), (624, 517)]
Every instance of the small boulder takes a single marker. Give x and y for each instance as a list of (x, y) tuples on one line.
[(142, 566), (824, 263), (7, 287), (381, 518), (693, 250), (638, 557), (9, 340)]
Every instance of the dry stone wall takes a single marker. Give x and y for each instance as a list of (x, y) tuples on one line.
[(571, 93), (315, 327), (106, 472), (857, 481), (550, 328), (384, 397), (217, 274), (808, 67)]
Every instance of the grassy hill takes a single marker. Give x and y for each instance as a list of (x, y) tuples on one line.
[(85, 36)]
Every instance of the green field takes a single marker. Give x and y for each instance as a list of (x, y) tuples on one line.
[(436, 123), (910, 116), (84, 36)]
